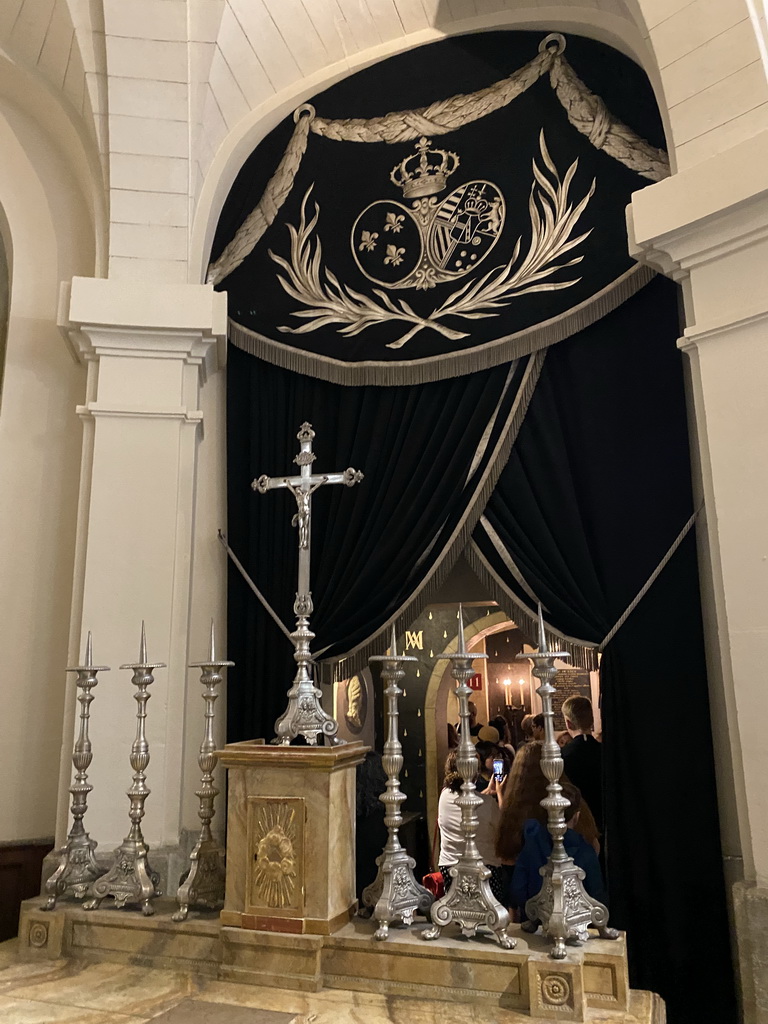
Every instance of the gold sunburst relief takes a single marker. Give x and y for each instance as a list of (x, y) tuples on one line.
[(276, 845)]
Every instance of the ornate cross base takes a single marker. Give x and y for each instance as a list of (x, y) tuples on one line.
[(129, 880), (205, 881), (76, 871), (304, 715), (470, 903), (564, 909), (394, 894)]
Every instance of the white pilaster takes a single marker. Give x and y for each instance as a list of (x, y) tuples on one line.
[(149, 349), (708, 228)]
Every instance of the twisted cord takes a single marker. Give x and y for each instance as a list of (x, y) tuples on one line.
[(268, 207), (589, 115), (438, 118), (585, 111)]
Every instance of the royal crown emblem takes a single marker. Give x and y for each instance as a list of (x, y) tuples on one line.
[(424, 174), (431, 241)]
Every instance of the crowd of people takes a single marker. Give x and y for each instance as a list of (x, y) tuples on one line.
[(512, 836)]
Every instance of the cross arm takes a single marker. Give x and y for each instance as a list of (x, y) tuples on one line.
[(271, 483)]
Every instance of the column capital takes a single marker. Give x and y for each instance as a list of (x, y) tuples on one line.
[(703, 213), (140, 319), (707, 227)]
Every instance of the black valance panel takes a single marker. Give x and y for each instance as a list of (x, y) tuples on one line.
[(441, 212)]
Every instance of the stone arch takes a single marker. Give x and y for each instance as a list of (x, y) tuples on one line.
[(48, 228)]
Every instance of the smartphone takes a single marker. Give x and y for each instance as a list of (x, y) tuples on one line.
[(498, 768)]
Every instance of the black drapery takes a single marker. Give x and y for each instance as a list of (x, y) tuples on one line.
[(431, 455), (597, 488)]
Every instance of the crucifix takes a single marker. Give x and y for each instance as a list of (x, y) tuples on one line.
[(304, 715)]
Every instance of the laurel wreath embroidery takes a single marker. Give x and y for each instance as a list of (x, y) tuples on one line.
[(553, 222)]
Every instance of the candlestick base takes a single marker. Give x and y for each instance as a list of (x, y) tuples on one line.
[(394, 894), (129, 880), (205, 883), (564, 908), (76, 871), (470, 903)]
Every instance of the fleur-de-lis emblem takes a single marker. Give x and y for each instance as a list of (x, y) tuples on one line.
[(394, 223), (394, 255), (368, 240)]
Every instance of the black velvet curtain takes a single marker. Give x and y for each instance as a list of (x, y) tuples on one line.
[(373, 547), (596, 490)]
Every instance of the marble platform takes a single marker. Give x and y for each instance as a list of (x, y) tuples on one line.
[(481, 981)]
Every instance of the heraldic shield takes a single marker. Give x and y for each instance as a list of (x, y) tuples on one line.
[(432, 242)]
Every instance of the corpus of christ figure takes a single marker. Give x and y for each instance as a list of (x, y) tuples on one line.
[(304, 715)]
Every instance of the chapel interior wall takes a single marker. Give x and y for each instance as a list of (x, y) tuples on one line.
[(40, 442)]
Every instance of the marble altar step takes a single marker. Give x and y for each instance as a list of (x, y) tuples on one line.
[(523, 984)]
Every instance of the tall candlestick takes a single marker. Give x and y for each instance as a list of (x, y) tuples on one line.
[(562, 906), (77, 867), (130, 879), (205, 880), (469, 902), (395, 893)]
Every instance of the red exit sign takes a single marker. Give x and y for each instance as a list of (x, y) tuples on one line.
[(476, 682)]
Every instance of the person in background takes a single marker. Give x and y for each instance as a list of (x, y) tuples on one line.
[(449, 826), (526, 727), (583, 756), (489, 751), (526, 787), (371, 832), (563, 739), (474, 725), (505, 734), (536, 848), (537, 727)]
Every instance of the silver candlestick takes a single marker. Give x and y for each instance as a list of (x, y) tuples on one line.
[(304, 715), (469, 902), (131, 879), (395, 893), (205, 879), (562, 906), (77, 867)]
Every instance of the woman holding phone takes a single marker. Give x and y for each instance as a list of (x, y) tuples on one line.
[(449, 825)]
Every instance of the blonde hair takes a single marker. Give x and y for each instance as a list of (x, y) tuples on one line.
[(579, 711)]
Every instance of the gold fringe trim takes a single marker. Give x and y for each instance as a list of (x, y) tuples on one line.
[(425, 371), (357, 658)]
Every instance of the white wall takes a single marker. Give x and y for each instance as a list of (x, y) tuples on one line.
[(40, 441)]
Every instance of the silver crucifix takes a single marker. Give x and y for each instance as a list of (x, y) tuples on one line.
[(304, 715)]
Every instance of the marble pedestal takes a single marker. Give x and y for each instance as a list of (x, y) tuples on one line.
[(290, 837)]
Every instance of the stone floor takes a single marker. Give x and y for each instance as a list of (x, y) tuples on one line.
[(80, 992)]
